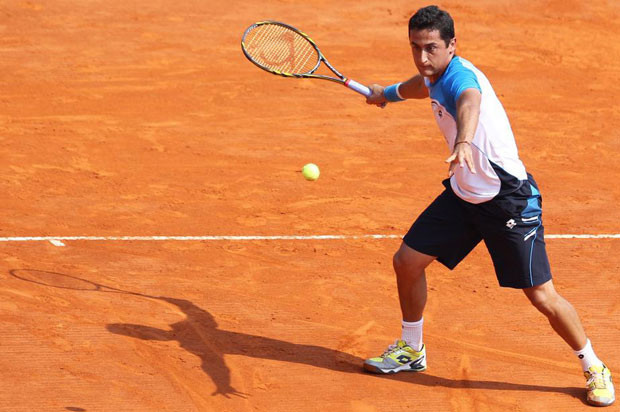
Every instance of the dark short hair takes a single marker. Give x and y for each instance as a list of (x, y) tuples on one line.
[(433, 18)]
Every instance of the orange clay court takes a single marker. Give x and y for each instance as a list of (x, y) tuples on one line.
[(143, 118)]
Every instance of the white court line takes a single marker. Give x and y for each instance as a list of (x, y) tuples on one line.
[(58, 240), (608, 236)]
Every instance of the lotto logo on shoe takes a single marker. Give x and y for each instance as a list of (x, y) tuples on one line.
[(403, 359), (511, 223)]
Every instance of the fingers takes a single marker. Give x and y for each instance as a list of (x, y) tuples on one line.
[(461, 157), (376, 89), (376, 98), (470, 164), (452, 161), (451, 169), (468, 160)]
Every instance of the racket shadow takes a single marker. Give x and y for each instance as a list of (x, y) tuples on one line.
[(199, 334)]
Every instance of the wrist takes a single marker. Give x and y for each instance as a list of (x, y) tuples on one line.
[(392, 94)]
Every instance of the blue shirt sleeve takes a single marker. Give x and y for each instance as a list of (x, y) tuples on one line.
[(457, 78), (461, 80)]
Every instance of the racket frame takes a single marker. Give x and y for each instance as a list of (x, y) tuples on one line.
[(341, 79)]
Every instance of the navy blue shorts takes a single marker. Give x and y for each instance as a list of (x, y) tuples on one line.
[(510, 225)]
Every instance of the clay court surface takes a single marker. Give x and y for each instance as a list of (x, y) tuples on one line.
[(143, 118)]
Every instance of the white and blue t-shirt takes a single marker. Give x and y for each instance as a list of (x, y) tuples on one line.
[(498, 167)]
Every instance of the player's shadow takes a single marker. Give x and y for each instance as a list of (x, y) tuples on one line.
[(199, 334)]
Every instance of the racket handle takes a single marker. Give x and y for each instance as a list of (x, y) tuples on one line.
[(358, 87)]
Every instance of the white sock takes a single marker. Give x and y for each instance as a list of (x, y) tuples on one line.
[(587, 357), (412, 334)]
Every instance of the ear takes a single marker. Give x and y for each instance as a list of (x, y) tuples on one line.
[(452, 45)]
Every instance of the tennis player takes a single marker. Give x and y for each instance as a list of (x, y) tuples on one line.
[(488, 196)]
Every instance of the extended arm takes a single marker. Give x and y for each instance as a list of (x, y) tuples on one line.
[(467, 115), (413, 88)]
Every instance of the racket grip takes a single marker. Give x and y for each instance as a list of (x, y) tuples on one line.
[(358, 87)]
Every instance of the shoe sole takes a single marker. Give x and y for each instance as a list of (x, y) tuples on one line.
[(404, 368), (595, 403)]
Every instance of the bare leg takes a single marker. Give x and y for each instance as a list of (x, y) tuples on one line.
[(560, 313), (409, 266)]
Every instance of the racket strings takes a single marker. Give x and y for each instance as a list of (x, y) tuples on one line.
[(281, 49)]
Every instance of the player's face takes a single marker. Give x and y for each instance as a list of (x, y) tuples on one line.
[(430, 53)]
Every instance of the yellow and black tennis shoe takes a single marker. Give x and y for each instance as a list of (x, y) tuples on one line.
[(398, 357), (599, 385)]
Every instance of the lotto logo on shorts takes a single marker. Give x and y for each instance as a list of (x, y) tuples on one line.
[(511, 223)]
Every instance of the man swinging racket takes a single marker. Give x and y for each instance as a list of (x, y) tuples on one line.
[(489, 196)]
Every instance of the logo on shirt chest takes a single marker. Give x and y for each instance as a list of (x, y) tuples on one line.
[(439, 110), (444, 120)]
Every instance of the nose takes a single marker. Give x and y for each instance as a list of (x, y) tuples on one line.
[(423, 57)]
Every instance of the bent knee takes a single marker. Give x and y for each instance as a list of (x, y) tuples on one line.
[(545, 301), (408, 259)]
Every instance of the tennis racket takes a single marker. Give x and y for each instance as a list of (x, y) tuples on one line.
[(63, 281), (283, 50)]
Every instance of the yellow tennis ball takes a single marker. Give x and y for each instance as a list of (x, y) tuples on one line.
[(311, 171)]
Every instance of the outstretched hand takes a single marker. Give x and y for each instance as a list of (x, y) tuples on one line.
[(228, 391), (461, 156)]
